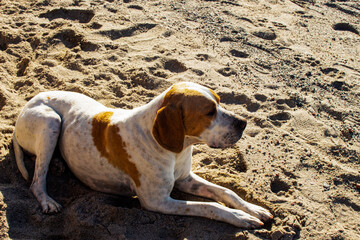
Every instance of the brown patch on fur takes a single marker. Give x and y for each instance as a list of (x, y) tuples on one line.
[(168, 128), (195, 110), (184, 111), (111, 146)]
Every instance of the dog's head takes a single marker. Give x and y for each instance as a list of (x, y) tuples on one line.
[(191, 111)]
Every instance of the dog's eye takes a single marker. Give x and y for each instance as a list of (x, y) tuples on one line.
[(211, 113)]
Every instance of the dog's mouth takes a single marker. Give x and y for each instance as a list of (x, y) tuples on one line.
[(221, 146), (229, 140)]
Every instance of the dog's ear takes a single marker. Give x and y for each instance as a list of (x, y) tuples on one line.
[(168, 128)]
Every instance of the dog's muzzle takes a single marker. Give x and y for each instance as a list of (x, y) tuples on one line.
[(233, 131)]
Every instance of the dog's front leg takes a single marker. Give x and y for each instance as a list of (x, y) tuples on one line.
[(195, 185), (210, 210)]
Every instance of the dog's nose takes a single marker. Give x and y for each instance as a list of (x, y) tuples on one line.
[(240, 123)]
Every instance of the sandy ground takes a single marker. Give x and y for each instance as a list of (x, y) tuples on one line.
[(292, 68)]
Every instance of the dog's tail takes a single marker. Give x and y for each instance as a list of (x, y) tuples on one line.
[(19, 155)]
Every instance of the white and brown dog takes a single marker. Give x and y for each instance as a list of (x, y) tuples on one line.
[(145, 151)]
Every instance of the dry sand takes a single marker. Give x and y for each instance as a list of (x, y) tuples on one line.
[(290, 67)]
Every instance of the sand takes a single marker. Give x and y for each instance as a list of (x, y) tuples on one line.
[(292, 68)]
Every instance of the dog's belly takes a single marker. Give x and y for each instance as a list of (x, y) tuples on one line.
[(85, 161), (95, 171)]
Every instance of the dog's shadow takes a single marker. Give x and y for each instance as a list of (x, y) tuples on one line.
[(88, 214), (22, 213)]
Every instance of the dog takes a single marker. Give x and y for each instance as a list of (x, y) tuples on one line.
[(146, 151)]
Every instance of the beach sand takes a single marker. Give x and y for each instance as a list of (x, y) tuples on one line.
[(291, 68)]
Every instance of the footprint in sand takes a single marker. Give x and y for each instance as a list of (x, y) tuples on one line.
[(227, 71), (197, 72), (332, 72), (70, 38), (234, 98), (261, 97), (202, 57), (345, 27), (136, 29), (22, 66), (136, 7), (7, 38), (265, 34), (279, 118), (174, 65), (278, 185), (227, 39), (239, 54), (282, 116), (81, 15), (340, 85)]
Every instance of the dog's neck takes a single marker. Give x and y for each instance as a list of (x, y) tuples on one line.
[(147, 113)]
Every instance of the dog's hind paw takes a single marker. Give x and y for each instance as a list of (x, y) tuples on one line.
[(50, 206)]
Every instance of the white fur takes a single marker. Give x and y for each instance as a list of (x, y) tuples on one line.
[(66, 118)]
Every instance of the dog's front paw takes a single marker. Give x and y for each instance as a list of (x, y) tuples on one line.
[(245, 220), (50, 206), (259, 212)]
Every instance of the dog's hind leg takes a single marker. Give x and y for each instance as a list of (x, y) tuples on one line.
[(19, 155), (38, 129)]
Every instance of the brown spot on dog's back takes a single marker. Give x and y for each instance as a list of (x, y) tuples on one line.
[(100, 123), (111, 146)]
